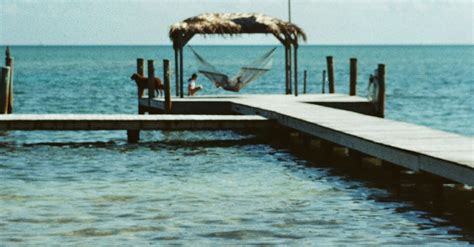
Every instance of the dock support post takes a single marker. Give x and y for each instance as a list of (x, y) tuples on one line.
[(133, 136), (181, 93), (295, 49), (176, 70), (9, 63), (324, 82), (287, 69), (353, 77), (4, 90), (330, 66), (151, 81), (381, 91), (305, 75), (166, 78)]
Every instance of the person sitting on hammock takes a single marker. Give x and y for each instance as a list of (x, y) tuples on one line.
[(230, 85), (192, 88)]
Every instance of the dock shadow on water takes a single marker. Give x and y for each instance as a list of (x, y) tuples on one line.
[(214, 188)]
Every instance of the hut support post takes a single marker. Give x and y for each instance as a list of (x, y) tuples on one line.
[(151, 81), (133, 136), (166, 78), (287, 81), (353, 77), (4, 89), (9, 63), (330, 66), (381, 91), (181, 91), (295, 48), (305, 77), (176, 70), (324, 82), (290, 83)]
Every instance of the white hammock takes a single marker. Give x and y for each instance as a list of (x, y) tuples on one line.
[(246, 74)]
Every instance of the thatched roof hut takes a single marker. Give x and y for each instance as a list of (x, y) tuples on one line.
[(236, 23), (233, 24)]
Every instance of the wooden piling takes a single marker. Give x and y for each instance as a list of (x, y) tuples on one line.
[(324, 82), (353, 77), (381, 91), (4, 90), (176, 71), (9, 63), (133, 136), (295, 49), (151, 79), (330, 66), (181, 90), (305, 75), (166, 78)]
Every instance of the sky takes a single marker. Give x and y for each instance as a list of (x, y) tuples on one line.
[(120, 22)]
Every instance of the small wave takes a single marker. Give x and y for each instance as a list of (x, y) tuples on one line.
[(249, 234)]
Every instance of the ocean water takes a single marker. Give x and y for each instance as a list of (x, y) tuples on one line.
[(85, 188)]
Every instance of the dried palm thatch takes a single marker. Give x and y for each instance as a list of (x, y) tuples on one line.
[(236, 23)]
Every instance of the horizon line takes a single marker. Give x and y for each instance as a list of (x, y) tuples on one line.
[(267, 44)]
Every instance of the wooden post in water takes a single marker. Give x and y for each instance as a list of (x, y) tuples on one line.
[(133, 136), (353, 77), (9, 63), (181, 90), (4, 90), (176, 70), (324, 81), (305, 75), (295, 49), (151, 80), (330, 66), (166, 78), (381, 91)]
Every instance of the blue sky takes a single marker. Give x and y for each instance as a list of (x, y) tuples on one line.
[(325, 21)]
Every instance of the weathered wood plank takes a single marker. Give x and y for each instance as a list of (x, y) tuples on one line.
[(130, 122)]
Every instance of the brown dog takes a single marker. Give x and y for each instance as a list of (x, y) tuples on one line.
[(142, 83)]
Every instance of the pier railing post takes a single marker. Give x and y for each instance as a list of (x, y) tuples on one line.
[(305, 75), (166, 78), (4, 90), (381, 91), (151, 80), (353, 77), (9, 63), (330, 66)]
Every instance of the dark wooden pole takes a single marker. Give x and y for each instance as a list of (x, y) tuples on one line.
[(305, 77), (353, 77), (166, 78), (140, 71), (330, 66), (133, 136), (324, 81), (181, 91), (176, 70), (295, 48), (4, 89), (9, 63), (287, 81), (381, 91), (151, 80), (290, 83)]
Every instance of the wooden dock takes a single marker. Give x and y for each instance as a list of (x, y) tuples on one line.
[(62, 122), (408, 145)]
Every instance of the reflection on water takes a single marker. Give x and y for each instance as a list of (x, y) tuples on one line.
[(210, 187)]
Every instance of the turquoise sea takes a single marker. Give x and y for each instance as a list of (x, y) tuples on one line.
[(214, 188)]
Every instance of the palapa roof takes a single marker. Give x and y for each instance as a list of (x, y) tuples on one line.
[(236, 23)]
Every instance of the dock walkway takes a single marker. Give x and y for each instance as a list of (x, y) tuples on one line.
[(412, 146)]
